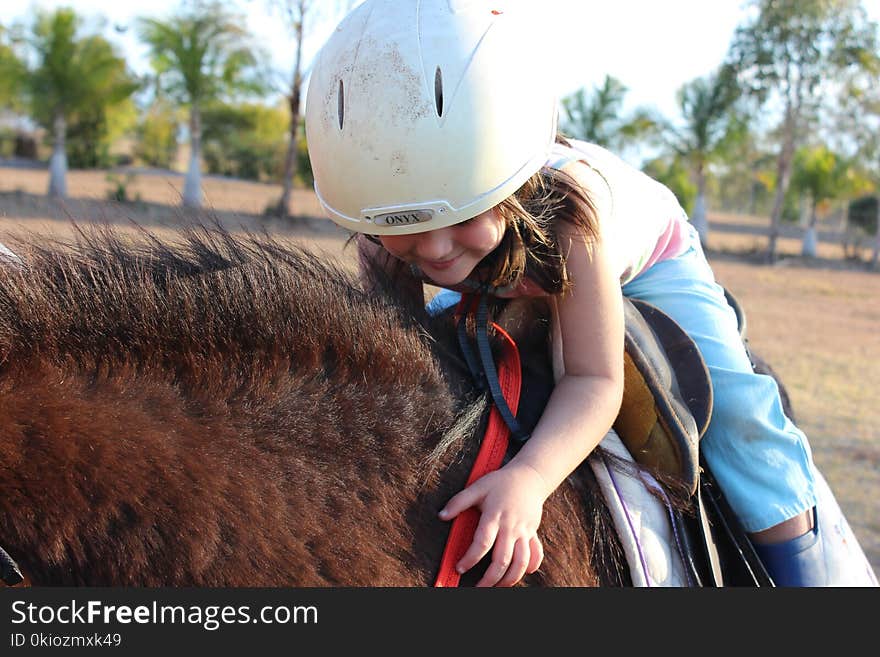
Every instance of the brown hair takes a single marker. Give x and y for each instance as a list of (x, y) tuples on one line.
[(530, 246)]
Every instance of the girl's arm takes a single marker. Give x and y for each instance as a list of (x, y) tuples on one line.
[(587, 398), (581, 410)]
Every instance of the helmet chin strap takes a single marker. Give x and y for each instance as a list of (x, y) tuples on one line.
[(470, 285), (482, 365)]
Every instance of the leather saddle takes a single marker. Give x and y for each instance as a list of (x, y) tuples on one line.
[(667, 395), (667, 407)]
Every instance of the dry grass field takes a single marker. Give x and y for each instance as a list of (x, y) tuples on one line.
[(816, 321)]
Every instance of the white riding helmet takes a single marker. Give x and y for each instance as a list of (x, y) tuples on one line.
[(421, 114)]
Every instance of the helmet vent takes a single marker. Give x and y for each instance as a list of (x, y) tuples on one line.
[(340, 104), (438, 91)]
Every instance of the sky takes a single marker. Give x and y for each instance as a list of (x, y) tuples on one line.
[(652, 47)]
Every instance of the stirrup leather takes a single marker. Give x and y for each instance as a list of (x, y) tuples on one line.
[(667, 397)]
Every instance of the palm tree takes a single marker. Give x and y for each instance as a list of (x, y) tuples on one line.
[(598, 119), (72, 75), (709, 127), (201, 55)]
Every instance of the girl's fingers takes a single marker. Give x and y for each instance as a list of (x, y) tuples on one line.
[(518, 564), (502, 559), (536, 554), (470, 496), (484, 537)]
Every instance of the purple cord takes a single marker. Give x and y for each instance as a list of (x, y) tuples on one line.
[(628, 519)]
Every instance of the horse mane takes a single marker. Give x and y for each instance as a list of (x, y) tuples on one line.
[(232, 410), (214, 304)]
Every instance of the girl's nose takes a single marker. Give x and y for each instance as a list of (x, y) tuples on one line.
[(434, 245)]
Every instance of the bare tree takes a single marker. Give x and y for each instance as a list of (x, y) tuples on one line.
[(299, 15), (296, 13)]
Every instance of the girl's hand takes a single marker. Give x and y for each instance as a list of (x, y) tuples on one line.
[(510, 501)]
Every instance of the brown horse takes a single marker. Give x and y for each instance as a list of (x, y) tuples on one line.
[(231, 411)]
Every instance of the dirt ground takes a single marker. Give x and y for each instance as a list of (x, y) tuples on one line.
[(817, 321)]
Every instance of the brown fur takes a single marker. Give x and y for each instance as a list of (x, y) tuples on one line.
[(234, 412)]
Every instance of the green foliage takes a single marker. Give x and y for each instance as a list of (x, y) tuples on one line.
[(79, 89), (74, 75), (823, 175), (203, 54), (675, 175), (862, 212), (790, 47), (791, 207), (746, 176), (304, 165), (156, 133), (789, 55), (591, 118), (819, 172), (7, 142), (55, 82), (86, 148), (245, 141), (92, 132), (119, 190), (710, 128), (12, 72)]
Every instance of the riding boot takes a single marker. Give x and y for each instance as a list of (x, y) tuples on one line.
[(799, 561)]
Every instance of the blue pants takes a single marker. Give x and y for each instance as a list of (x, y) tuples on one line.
[(761, 460)]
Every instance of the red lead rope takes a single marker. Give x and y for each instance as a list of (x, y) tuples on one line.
[(489, 458)]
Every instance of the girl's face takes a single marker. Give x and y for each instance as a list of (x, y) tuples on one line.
[(448, 255)]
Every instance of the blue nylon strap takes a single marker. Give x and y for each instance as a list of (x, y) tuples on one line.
[(491, 374), (470, 358)]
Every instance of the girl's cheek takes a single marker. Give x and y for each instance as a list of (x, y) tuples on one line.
[(483, 236), (395, 245)]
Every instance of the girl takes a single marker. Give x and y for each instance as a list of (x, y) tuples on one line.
[(430, 126)]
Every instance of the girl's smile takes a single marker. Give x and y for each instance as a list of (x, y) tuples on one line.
[(449, 255)]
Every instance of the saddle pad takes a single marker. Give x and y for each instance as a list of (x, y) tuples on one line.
[(643, 523), (646, 532)]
